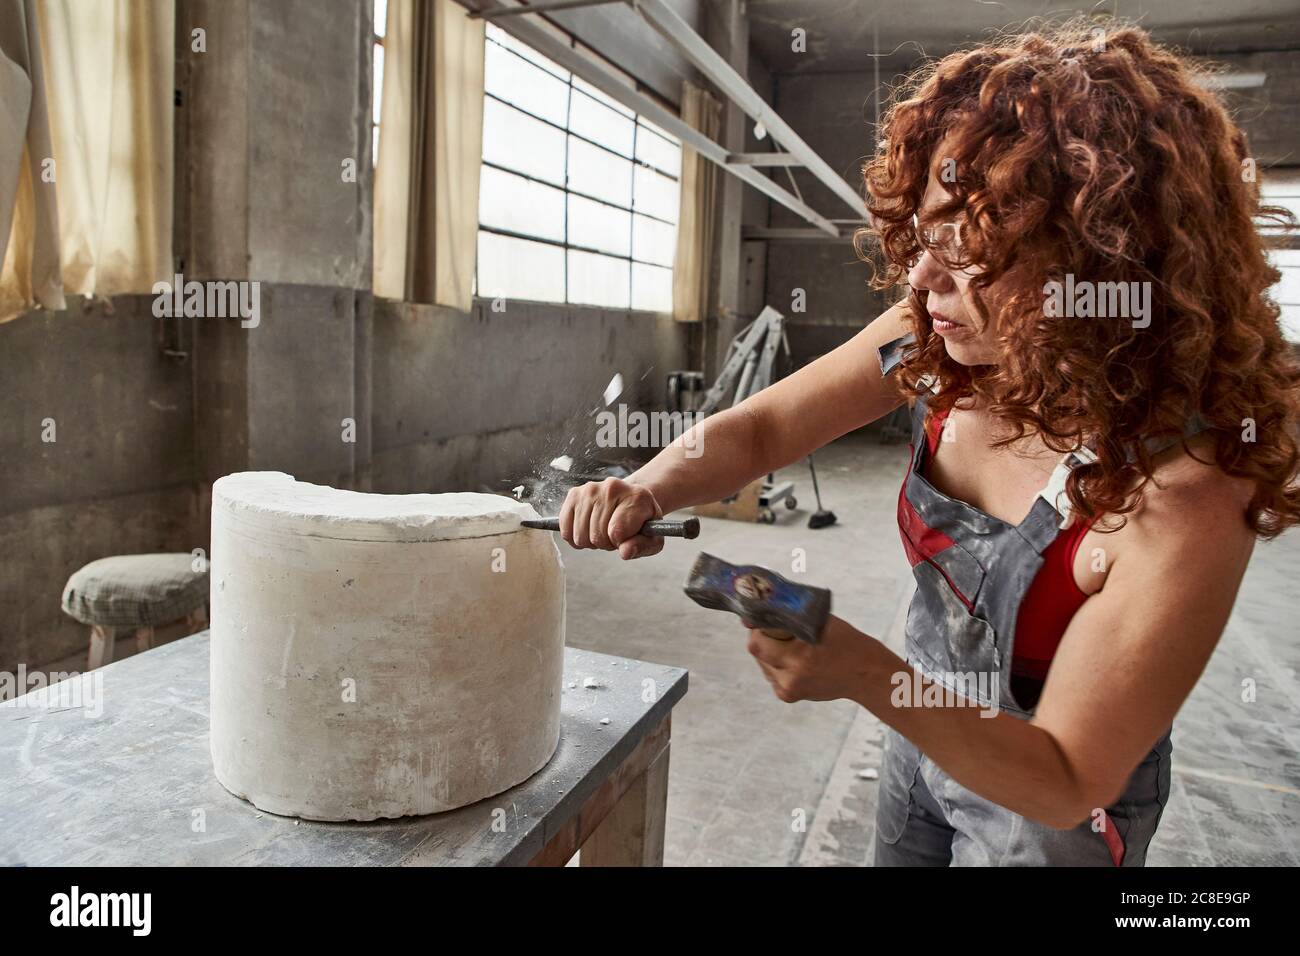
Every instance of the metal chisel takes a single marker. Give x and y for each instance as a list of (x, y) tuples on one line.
[(690, 528)]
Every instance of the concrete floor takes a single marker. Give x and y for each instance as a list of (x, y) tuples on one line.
[(754, 781)]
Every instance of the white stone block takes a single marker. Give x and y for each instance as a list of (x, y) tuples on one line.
[(379, 655)]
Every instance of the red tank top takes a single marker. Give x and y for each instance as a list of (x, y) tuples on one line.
[(1052, 598)]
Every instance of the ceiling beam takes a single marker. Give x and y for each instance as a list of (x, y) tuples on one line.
[(1231, 80), (569, 58), (540, 7), (789, 234), (724, 76), (762, 159)]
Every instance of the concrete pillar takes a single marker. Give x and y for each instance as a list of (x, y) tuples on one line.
[(276, 151), (726, 29)]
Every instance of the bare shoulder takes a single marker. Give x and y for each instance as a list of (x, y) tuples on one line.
[(1187, 482), (1191, 504)]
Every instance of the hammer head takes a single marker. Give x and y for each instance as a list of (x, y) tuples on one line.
[(760, 596)]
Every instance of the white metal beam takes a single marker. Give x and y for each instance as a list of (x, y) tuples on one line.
[(762, 159), (547, 45), (709, 62), (542, 6), (788, 234)]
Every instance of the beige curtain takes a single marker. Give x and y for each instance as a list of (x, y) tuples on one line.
[(29, 214), (108, 76), (393, 168), (430, 153), (694, 254)]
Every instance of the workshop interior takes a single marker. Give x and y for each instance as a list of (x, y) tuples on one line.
[(475, 432)]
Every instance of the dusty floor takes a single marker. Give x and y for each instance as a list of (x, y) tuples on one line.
[(754, 781)]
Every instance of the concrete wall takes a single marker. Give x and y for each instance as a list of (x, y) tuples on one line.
[(1270, 114), (725, 27), (468, 401), (832, 112), (117, 478)]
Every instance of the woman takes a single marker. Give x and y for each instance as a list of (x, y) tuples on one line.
[(1087, 324)]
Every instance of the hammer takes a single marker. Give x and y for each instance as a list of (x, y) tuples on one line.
[(761, 597), (690, 528)]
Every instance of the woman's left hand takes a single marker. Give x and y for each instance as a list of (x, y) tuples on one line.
[(835, 667)]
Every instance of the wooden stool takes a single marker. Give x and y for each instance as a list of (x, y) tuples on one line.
[(136, 592)]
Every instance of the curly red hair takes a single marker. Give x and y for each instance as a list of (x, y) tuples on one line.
[(1096, 152)]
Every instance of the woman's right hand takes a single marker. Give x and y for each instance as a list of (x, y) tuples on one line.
[(608, 515)]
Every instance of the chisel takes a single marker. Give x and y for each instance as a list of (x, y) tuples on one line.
[(690, 528)]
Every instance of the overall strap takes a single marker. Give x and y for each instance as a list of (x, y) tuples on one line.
[(1051, 511), (891, 353), (1054, 491), (1154, 446), (890, 356)]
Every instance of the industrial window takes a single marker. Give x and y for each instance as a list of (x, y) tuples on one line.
[(578, 200), (1281, 187)]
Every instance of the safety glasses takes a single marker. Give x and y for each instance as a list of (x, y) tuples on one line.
[(943, 239)]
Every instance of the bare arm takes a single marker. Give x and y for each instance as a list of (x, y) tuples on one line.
[(1128, 660), (841, 391)]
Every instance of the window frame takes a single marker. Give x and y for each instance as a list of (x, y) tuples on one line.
[(640, 127)]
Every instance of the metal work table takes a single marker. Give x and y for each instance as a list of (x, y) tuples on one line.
[(134, 785)]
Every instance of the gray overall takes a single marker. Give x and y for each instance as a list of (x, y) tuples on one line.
[(972, 571)]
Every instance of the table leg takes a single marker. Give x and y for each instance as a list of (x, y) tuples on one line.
[(632, 834)]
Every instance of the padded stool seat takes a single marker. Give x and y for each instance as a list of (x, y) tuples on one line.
[(137, 591)]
